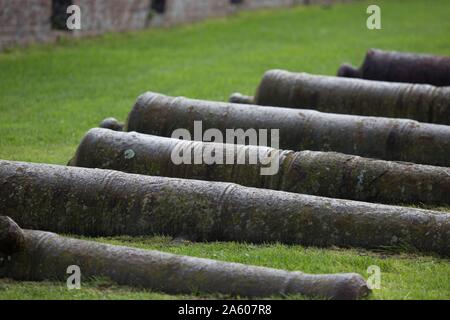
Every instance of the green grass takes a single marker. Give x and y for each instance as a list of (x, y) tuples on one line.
[(50, 95)]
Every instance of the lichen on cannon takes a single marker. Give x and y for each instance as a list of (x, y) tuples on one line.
[(96, 202), (326, 174), (421, 102), (373, 137), (401, 67), (46, 256)]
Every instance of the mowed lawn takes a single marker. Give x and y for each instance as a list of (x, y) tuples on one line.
[(50, 95)]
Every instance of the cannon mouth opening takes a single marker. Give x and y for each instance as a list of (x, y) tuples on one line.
[(59, 14)]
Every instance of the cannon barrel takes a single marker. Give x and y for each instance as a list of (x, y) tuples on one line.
[(46, 256), (326, 174), (98, 202), (373, 137), (421, 102), (401, 67)]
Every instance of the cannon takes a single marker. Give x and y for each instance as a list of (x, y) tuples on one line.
[(421, 102), (98, 202), (327, 174), (401, 67), (372, 137), (47, 256)]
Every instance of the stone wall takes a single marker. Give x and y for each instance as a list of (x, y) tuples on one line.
[(257, 4), (113, 15), (25, 21), (184, 11)]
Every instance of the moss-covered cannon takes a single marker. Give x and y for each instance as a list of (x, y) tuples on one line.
[(326, 174), (401, 67), (373, 137), (46, 256), (419, 102), (99, 202)]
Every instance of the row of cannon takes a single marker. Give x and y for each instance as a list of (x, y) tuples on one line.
[(344, 179)]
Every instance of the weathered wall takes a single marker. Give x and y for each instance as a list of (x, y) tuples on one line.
[(256, 4), (113, 15), (183, 11), (25, 21), (22, 21)]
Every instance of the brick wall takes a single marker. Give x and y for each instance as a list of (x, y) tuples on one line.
[(25, 21)]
